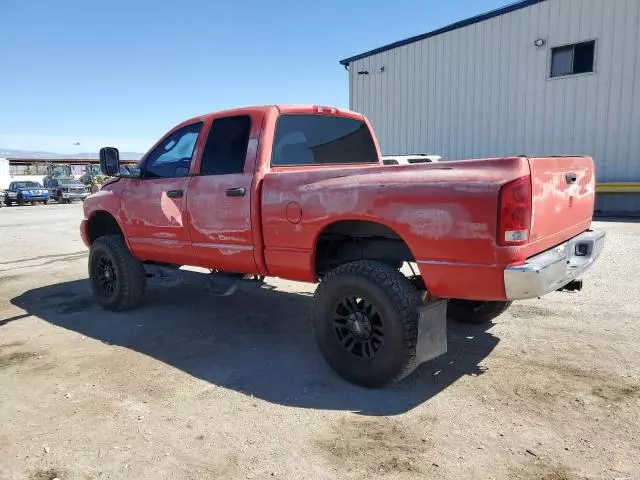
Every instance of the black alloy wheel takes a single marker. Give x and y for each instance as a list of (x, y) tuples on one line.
[(359, 327), (107, 279)]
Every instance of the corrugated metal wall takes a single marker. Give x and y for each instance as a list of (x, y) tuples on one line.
[(484, 90)]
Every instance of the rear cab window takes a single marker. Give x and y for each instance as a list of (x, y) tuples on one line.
[(305, 139)]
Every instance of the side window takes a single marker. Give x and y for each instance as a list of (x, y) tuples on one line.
[(226, 148), (172, 158)]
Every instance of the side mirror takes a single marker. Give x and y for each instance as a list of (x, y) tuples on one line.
[(109, 161)]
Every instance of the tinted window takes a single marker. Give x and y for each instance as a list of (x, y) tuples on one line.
[(226, 147), (389, 161), (322, 140), (172, 157), (583, 56), (573, 59)]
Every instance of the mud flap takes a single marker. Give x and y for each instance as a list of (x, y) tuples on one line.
[(432, 331)]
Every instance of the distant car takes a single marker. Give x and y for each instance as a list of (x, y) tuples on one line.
[(23, 192), (66, 190), (409, 159)]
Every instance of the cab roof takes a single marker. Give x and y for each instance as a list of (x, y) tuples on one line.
[(281, 108)]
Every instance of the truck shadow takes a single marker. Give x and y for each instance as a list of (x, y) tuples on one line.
[(259, 343)]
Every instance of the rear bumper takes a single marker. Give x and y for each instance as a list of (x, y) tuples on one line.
[(554, 268)]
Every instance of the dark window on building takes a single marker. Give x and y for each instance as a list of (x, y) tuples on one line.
[(322, 140), (573, 59), (172, 158), (226, 148)]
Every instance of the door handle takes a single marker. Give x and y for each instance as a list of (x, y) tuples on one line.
[(175, 194), (236, 192)]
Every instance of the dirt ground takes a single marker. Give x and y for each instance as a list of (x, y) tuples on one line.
[(191, 386)]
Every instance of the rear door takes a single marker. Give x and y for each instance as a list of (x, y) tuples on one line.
[(219, 198), (153, 207), (563, 191)]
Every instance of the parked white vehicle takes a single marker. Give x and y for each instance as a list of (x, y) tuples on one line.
[(410, 159)]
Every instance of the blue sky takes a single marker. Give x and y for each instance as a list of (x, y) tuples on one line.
[(123, 72)]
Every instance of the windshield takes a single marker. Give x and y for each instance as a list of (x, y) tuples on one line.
[(69, 181), (93, 170), (27, 185)]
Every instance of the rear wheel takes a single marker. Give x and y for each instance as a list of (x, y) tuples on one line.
[(365, 319), (475, 312), (117, 278), (46, 201)]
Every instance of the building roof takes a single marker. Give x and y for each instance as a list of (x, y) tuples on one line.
[(454, 26)]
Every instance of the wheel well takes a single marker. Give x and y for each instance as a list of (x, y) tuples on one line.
[(103, 223), (351, 240)]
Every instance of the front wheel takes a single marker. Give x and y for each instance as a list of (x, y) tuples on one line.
[(117, 277), (365, 319), (21, 202), (475, 312), (46, 201)]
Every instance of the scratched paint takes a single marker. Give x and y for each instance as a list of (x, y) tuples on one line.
[(431, 222), (557, 204)]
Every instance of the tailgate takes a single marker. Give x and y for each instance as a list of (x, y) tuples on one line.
[(563, 191)]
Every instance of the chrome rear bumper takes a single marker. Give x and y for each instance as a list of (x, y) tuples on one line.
[(554, 268)]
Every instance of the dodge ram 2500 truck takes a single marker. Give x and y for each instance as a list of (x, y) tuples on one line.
[(301, 192)]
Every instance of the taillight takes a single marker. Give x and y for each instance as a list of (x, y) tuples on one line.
[(514, 212)]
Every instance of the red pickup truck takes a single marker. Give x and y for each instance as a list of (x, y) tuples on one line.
[(301, 193)]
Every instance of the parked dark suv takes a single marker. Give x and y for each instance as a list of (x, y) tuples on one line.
[(65, 190)]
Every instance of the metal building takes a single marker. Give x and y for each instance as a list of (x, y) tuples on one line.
[(539, 77)]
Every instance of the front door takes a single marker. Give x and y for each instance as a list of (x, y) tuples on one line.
[(219, 198), (153, 206)]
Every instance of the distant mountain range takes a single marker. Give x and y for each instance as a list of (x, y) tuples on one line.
[(10, 153)]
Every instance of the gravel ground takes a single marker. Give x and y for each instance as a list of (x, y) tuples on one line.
[(191, 386)]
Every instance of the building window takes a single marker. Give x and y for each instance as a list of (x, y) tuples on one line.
[(573, 59)]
